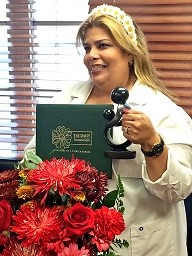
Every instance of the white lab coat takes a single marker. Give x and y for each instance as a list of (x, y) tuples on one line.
[(155, 214)]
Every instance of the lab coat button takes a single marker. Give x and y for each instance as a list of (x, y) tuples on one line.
[(141, 228)]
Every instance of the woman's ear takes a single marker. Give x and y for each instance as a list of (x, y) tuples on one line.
[(130, 62), (130, 59)]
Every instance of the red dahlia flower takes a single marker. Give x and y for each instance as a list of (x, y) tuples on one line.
[(16, 249), (8, 184), (57, 174), (93, 183), (37, 225)]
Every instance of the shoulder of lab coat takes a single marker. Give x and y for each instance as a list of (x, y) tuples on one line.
[(74, 93)]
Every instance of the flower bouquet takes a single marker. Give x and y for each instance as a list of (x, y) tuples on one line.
[(59, 207)]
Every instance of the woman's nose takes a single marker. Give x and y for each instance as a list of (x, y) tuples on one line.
[(93, 54)]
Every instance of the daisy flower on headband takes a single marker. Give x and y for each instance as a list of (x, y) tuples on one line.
[(119, 15)]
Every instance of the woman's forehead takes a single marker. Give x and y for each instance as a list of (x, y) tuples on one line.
[(98, 33)]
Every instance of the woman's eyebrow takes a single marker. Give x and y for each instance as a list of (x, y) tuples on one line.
[(98, 41)]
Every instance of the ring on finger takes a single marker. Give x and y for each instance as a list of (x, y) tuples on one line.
[(128, 129), (125, 129)]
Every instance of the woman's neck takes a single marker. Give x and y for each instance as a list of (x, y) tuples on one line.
[(99, 96)]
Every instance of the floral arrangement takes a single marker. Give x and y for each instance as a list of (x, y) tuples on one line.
[(121, 16), (59, 207)]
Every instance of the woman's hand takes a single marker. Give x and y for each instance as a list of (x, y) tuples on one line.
[(137, 128)]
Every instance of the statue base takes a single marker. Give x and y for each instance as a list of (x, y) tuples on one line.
[(118, 154)]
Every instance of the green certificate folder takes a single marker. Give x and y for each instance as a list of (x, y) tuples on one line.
[(66, 130)]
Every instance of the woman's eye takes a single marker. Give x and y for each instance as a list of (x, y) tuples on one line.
[(87, 49), (101, 46)]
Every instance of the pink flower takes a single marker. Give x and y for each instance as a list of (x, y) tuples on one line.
[(73, 250)]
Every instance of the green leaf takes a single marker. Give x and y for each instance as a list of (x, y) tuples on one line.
[(110, 198), (30, 161), (31, 156), (120, 187), (120, 202), (118, 243), (30, 166), (121, 209), (125, 243), (111, 254)]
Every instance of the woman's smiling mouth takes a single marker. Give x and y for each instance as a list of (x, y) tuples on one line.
[(97, 68)]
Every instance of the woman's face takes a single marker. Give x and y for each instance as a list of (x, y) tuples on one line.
[(107, 64)]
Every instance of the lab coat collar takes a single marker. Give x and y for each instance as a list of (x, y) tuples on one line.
[(81, 92), (137, 95)]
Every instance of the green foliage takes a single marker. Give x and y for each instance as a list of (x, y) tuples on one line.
[(120, 193), (110, 199), (113, 198), (120, 187), (109, 254), (119, 243), (30, 161)]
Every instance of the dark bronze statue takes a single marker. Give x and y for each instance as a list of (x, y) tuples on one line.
[(119, 95)]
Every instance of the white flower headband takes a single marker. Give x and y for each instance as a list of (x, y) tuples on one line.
[(121, 16)]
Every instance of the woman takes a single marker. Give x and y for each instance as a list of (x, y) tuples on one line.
[(160, 177)]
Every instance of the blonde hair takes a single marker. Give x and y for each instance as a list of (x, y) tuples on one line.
[(143, 67)]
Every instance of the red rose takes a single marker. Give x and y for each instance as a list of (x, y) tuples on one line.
[(79, 219), (5, 215)]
